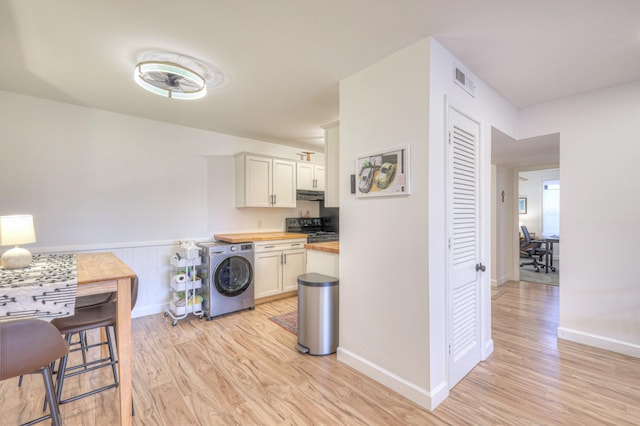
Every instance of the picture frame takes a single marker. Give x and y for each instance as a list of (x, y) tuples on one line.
[(384, 173), (522, 205)]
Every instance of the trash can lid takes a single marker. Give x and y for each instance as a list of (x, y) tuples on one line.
[(313, 279)]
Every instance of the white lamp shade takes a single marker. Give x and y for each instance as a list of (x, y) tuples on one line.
[(16, 230)]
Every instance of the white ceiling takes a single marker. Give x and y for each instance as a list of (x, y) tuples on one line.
[(284, 58)]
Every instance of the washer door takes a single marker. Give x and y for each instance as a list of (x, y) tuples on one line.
[(233, 276)]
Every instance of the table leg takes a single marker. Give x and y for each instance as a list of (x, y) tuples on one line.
[(123, 327), (547, 245)]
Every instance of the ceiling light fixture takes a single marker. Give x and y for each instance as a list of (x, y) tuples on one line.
[(176, 76), (170, 80)]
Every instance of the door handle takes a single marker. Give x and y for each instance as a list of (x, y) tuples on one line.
[(481, 267)]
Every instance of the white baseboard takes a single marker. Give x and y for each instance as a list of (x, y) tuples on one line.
[(503, 279), (149, 310), (422, 397), (487, 350), (601, 342)]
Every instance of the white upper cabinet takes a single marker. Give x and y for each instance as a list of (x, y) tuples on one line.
[(265, 181), (284, 183), (311, 176)]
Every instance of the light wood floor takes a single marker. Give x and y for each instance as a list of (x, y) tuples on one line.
[(242, 369)]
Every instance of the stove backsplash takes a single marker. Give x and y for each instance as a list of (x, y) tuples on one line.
[(331, 217)]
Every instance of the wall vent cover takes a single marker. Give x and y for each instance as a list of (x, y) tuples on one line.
[(463, 81)]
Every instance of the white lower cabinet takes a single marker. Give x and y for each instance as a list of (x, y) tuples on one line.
[(323, 263), (277, 266)]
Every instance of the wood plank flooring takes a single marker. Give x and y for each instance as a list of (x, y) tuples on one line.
[(242, 369)]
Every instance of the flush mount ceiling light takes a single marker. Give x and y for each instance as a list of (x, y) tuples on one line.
[(176, 76)]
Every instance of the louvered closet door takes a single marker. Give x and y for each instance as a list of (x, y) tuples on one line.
[(463, 255)]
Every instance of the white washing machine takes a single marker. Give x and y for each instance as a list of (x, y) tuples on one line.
[(228, 273)]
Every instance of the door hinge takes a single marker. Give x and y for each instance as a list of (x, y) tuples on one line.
[(449, 243), (450, 137)]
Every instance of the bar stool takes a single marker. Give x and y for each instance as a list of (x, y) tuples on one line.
[(30, 346), (101, 315)]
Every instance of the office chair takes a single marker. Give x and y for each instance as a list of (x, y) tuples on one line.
[(90, 317), (30, 346), (531, 249)]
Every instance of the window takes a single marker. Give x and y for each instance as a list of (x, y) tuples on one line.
[(550, 208)]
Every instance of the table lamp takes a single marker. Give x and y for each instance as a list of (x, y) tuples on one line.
[(14, 230)]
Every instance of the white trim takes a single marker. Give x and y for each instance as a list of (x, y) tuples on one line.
[(601, 342), (421, 396), (149, 310), (503, 279), (487, 349), (111, 246)]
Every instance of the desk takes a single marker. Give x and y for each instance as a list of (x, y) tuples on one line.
[(548, 259), (105, 273)]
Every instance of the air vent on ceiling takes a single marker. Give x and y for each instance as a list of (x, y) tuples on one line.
[(463, 81)]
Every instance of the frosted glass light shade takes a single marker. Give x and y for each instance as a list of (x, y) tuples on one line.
[(16, 230), (145, 75)]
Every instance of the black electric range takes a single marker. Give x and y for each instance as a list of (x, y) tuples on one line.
[(317, 229)]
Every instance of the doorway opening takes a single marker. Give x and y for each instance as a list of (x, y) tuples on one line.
[(539, 225), (509, 158)]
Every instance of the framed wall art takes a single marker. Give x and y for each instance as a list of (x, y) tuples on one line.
[(522, 205), (383, 173)]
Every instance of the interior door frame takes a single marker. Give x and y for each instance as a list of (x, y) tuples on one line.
[(484, 234)]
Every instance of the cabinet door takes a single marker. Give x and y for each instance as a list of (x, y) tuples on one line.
[(323, 263), (258, 187), (305, 176), (284, 183), (319, 178), (268, 274), (294, 264)]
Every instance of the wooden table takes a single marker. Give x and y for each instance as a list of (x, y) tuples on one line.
[(105, 273)]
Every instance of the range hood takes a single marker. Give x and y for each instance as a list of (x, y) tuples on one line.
[(303, 194)]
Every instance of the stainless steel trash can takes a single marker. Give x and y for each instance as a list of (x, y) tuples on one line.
[(317, 314)]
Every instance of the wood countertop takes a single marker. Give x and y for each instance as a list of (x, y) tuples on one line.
[(329, 247), (250, 237)]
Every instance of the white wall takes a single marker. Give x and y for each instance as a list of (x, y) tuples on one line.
[(392, 260), (96, 180), (503, 249), (384, 286), (599, 151)]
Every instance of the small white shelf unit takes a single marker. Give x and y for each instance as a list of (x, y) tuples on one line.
[(184, 283)]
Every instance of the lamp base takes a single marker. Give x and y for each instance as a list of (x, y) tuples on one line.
[(16, 257)]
